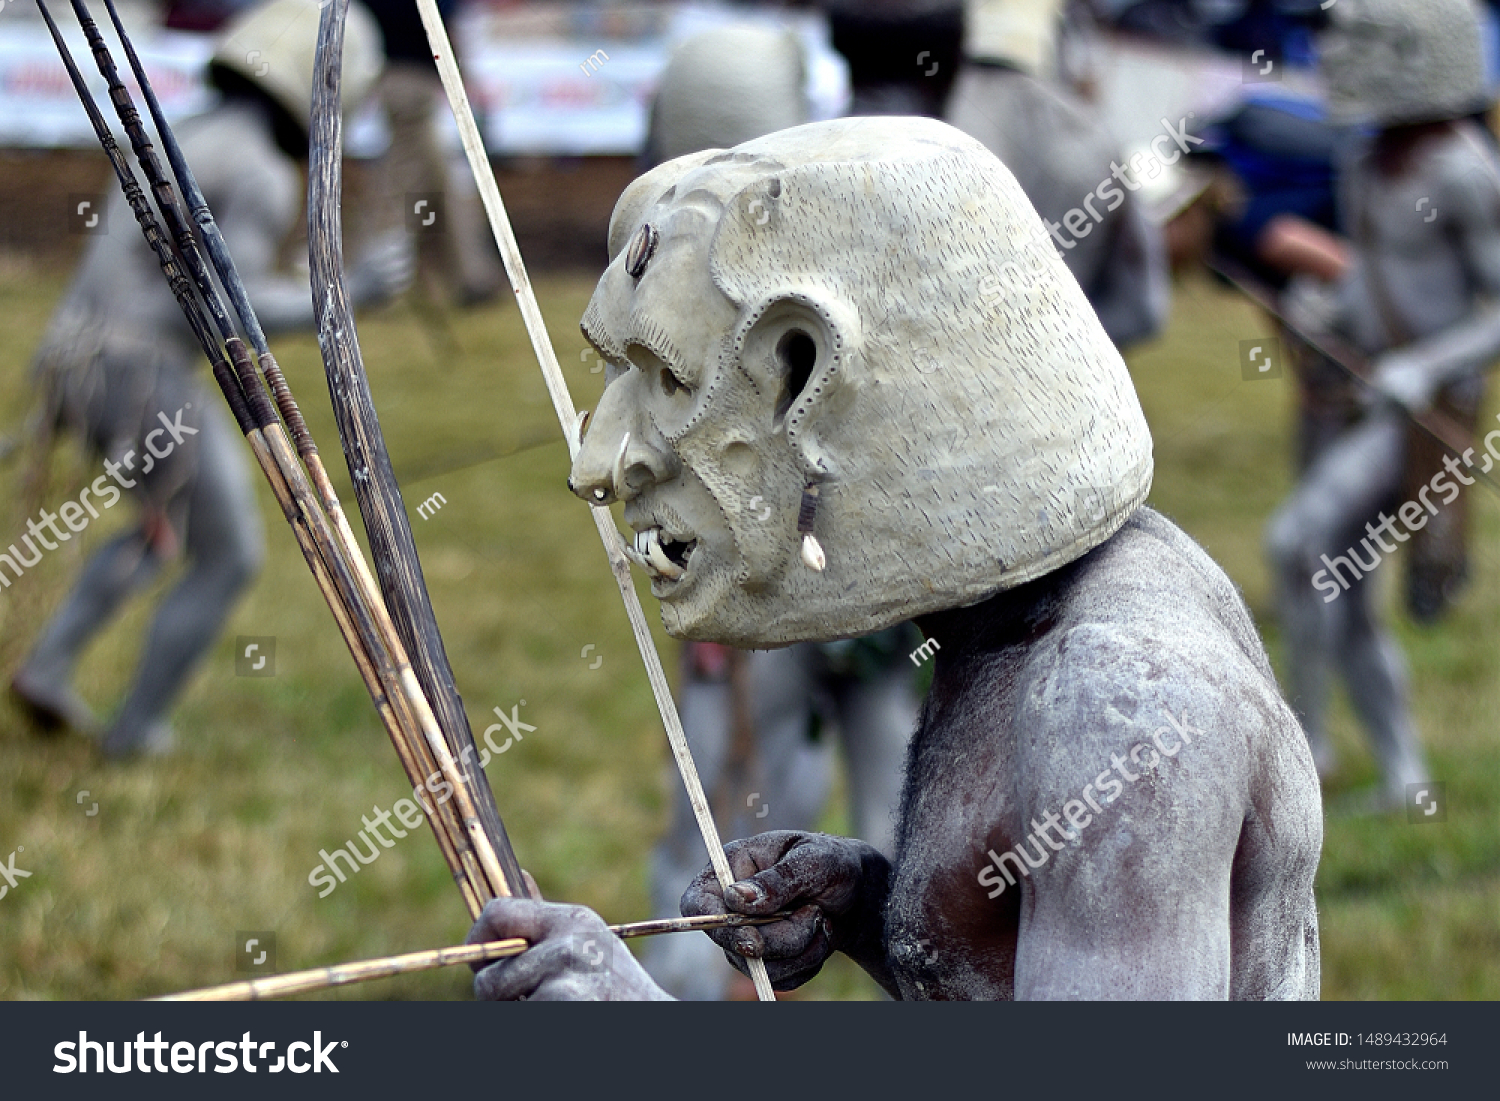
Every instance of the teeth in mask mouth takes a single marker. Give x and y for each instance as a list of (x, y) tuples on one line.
[(660, 557), (662, 563)]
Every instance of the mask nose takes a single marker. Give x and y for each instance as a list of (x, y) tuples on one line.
[(595, 478), (621, 454)]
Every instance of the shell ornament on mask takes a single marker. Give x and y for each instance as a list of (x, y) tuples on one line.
[(850, 382)]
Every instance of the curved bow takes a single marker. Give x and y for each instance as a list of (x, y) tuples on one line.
[(397, 567)]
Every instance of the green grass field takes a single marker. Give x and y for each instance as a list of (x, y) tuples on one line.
[(146, 895)]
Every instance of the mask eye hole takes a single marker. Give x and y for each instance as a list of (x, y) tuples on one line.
[(797, 354), (647, 361)]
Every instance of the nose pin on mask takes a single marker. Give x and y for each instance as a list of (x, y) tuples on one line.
[(642, 247), (807, 513)]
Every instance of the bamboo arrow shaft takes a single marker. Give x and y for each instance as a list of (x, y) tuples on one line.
[(323, 978), (347, 588), (344, 974)]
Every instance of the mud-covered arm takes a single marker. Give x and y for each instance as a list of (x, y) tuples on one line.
[(1133, 818), (1412, 374), (1103, 923), (259, 208)]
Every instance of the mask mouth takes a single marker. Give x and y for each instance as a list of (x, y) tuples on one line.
[(664, 556)]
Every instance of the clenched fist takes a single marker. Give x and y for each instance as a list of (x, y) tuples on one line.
[(835, 888)]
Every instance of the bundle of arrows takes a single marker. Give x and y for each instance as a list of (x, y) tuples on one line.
[(385, 616)]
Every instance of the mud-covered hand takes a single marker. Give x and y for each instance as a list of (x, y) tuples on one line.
[(835, 888), (573, 956), (384, 269), (1313, 306)]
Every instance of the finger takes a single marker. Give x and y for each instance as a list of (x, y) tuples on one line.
[(784, 974), (748, 858), (751, 856), (533, 920), (788, 939), (791, 938), (795, 950), (807, 872), (703, 896), (508, 917), (508, 980), (532, 890), (755, 854)]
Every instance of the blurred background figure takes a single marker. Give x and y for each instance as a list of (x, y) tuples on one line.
[(1234, 25), (116, 366), (201, 15), (457, 261), (725, 86), (1259, 200), (903, 54), (762, 724), (1011, 97), (1419, 197)]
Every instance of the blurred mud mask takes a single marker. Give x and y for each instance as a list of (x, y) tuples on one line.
[(1393, 62)]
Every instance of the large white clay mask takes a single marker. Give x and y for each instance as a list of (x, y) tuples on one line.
[(861, 325)]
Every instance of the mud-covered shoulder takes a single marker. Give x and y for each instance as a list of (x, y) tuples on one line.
[(1465, 176), (1150, 636), (1152, 572)]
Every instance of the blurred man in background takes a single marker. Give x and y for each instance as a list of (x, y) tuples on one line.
[(1421, 201), (1009, 96), (457, 262), (725, 86), (116, 367), (903, 54), (1281, 26), (1269, 213)]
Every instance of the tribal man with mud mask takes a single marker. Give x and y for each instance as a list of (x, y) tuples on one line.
[(1106, 796), (117, 368), (1422, 205)]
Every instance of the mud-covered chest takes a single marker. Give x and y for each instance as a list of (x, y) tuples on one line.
[(944, 937)]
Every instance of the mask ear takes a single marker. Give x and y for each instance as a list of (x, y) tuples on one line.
[(793, 348), (645, 192)]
